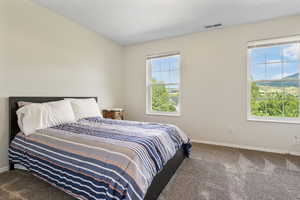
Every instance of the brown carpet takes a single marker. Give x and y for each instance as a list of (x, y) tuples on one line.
[(214, 173)]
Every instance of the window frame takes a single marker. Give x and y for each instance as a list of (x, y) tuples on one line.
[(268, 43), (149, 85)]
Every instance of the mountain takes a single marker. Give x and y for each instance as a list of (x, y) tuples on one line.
[(293, 76), (286, 82)]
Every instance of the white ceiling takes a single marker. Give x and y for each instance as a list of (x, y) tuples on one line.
[(136, 21)]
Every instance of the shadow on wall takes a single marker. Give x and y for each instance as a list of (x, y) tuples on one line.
[(3, 131)]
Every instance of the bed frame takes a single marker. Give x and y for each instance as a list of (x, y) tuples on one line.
[(159, 181)]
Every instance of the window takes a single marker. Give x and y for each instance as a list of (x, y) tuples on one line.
[(163, 84), (273, 80)]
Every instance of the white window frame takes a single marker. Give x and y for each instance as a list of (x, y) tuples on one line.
[(149, 84), (266, 43)]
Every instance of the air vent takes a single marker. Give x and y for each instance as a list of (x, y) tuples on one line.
[(213, 26)]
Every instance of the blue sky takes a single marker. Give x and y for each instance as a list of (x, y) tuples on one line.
[(166, 69), (289, 53)]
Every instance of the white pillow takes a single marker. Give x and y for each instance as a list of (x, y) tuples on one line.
[(43, 115), (60, 112), (84, 108)]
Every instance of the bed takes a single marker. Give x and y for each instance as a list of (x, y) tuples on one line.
[(98, 158)]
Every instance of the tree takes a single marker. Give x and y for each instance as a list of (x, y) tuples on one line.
[(275, 104), (161, 99)]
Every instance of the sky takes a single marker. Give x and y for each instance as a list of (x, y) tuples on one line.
[(166, 69), (288, 53)]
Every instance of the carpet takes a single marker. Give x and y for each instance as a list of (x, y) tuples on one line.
[(212, 173)]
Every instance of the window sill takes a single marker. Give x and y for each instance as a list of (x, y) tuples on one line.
[(274, 120), (164, 114)]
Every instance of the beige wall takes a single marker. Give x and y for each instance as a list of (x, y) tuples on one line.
[(42, 53), (213, 85)]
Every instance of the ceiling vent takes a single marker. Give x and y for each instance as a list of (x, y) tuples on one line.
[(213, 26)]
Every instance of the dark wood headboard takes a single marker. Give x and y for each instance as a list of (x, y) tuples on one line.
[(13, 107)]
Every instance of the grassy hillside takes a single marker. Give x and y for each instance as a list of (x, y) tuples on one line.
[(287, 81)]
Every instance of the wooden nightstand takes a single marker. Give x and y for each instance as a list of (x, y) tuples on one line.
[(113, 113)]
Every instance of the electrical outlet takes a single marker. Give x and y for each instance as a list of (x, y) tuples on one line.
[(230, 130), (296, 140)]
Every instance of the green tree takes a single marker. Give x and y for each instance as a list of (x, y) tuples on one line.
[(275, 104), (255, 106), (161, 99)]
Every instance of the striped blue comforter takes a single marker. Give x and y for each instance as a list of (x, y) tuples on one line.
[(98, 158)]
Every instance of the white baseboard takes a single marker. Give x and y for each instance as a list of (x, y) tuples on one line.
[(4, 169), (294, 153), (237, 146)]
